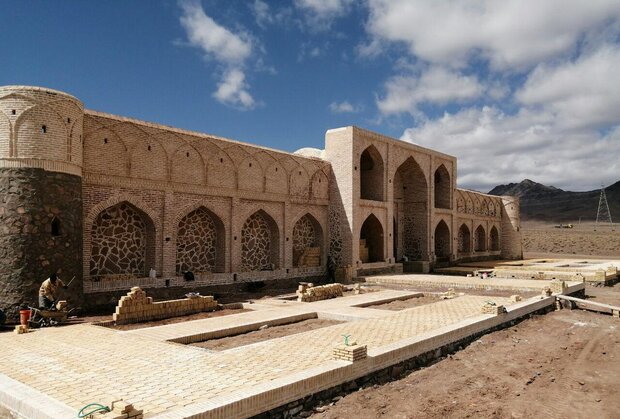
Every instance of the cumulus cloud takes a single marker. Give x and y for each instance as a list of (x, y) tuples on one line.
[(231, 50), (508, 33), (344, 107), (435, 85), (494, 147), (321, 13)]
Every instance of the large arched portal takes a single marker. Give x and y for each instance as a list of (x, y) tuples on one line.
[(371, 174), (200, 242), (371, 240), (442, 242), (410, 212), (307, 242), (260, 243), (122, 241)]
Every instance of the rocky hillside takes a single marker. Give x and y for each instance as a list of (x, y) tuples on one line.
[(547, 203)]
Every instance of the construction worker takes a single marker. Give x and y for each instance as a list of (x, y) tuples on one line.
[(48, 293)]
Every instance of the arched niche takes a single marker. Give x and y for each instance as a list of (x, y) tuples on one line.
[(371, 240), (442, 241), (307, 242), (464, 239), (260, 243), (371, 174), (443, 188), (200, 242), (480, 239)]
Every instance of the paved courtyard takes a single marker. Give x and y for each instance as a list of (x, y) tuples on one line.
[(69, 367)]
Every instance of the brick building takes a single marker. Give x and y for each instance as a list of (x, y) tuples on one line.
[(107, 198)]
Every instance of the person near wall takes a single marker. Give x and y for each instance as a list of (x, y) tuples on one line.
[(48, 293)]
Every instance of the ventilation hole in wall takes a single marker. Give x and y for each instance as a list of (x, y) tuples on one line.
[(235, 238), (299, 173), (68, 120), (149, 148), (43, 129), (355, 168), (319, 180), (234, 277), (390, 181), (287, 239), (250, 164), (105, 140), (276, 169), (13, 112), (55, 227), (187, 154), (167, 239), (221, 160)]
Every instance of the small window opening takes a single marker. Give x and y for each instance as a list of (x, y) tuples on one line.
[(43, 129), (276, 169), (55, 227), (221, 160), (68, 120), (105, 140), (187, 154), (300, 173), (13, 112), (250, 164), (149, 148)]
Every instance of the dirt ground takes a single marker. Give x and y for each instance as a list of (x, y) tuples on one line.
[(272, 332), (543, 238), (559, 365)]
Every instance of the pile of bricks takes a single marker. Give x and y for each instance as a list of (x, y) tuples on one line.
[(20, 329), (492, 308), (137, 307), (121, 410), (310, 257), (558, 286), (308, 293), (349, 353)]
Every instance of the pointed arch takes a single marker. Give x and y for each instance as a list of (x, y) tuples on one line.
[(308, 241), (410, 195), (260, 243), (371, 240), (105, 152), (187, 165), (40, 124), (149, 159), (464, 239), (251, 175), (299, 182), (6, 136), (200, 242), (480, 239), (443, 188), (371, 174), (276, 179), (494, 239), (319, 185), (442, 241), (221, 171)]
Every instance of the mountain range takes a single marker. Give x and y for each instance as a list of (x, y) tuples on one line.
[(548, 203)]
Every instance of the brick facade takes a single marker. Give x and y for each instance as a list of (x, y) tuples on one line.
[(158, 176)]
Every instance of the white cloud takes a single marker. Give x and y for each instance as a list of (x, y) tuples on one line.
[(344, 107), (581, 93), (494, 147), (264, 15), (232, 90), (227, 48), (321, 13), (435, 85), (509, 33)]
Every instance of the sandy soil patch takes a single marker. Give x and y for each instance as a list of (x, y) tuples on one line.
[(582, 240), (265, 334)]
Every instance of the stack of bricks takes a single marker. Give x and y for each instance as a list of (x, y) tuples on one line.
[(121, 410), (515, 298), (137, 307), (308, 293), (363, 251), (558, 286), (492, 308), (349, 353), (20, 329), (310, 257)]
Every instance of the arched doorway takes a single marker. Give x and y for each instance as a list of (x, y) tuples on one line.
[(122, 239), (442, 242), (443, 198), (480, 238), (260, 243), (200, 242), (371, 240), (410, 211), (494, 239), (307, 242), (464, 239), (371, 174)]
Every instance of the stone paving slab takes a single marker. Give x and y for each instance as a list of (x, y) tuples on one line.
[(81, 364)]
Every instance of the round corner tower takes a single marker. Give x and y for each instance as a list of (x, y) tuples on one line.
[(512, 246), (41, 193)]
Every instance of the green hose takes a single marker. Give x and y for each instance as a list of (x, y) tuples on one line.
[(96, 408)]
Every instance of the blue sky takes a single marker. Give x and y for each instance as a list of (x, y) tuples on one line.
[(514, 89)]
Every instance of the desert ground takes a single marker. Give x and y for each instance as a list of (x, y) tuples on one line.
[(559, 365), (542, 239)]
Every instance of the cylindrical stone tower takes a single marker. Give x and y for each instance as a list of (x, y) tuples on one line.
[(40, 193), (512, 246)]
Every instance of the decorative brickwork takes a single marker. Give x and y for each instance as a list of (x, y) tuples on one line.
[(256, 243), (196, 242), (118, 242)]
